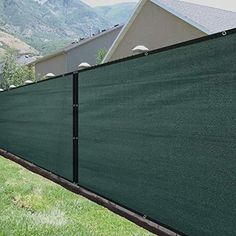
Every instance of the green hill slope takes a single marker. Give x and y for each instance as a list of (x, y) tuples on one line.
[(8, 41), (49, 24), (118, 13)]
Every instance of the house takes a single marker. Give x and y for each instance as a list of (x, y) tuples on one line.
[(1, 75), (159, 23), (68, 59)]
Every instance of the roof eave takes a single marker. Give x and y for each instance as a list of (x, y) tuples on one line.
[(46, 58), (124, 31), (94, 37)]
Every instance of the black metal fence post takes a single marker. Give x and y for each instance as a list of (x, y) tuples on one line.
[(75, 127)]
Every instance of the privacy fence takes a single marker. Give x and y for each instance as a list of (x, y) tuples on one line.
[(154, 133)]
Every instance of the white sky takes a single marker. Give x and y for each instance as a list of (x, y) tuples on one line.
[(224, 4)]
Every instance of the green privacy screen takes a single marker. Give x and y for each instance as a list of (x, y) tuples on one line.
[(157, 134), (36, 124)]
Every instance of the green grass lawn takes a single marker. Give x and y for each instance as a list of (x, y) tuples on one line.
[(31, 205)]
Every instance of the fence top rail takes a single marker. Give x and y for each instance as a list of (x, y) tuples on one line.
[(40, 81), (167, 48), (155, 51)]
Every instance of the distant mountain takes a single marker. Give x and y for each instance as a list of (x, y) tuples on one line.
[(8, 41), (118, 13), (49, 24)]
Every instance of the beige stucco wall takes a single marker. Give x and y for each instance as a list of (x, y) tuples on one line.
[(69, 61), (55, 65), (87, 52), (155, 28)]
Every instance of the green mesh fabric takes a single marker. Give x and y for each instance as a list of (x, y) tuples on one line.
[(157, 134), (36, 124)]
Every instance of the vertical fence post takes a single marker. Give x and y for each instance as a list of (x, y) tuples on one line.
[(75, 127)]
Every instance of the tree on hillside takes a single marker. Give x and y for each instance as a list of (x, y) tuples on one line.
[(101, 55), (13, 72), (9, 68)]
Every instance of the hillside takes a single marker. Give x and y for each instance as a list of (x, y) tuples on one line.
[(118, 13), (9, 41), (47, 25)]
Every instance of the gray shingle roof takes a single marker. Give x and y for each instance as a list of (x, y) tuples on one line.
[(86, 40), (78, 44), (208, 19), (25, 59)]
